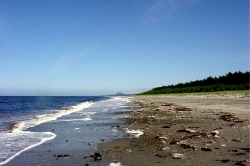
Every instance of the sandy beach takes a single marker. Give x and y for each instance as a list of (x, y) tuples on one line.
[(161, 130), (183, 130)]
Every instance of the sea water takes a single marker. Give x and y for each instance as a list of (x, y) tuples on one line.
[(21, 116)]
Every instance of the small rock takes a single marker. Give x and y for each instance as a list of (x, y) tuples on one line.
[(62, 156), (225, 160), (187, 131), (96, 156), (187, 146), (216, 136), (178, 156), (206, 149), (215, 132), (237, 140)]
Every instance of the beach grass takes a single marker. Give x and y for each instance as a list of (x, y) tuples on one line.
[(218, 93)]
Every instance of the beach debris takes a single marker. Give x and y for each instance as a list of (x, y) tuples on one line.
[(129, 150), (159, 155), (224, 160), (108, 151), (178, 156), (246, 149), (187, 146), (187, 131), (183, 109), (206, 149), (163, 138), (163, 142), (166, 127), (237, 140), (223, 145), (241, 162), (215, 133), (166, 148), (135, 133), (115, 164), (62, 156), (117, 147), (230, 117), (236, 162), (167, 104), (194, 127), (173, 142), (88, 143), (96, 156), (216, 136)]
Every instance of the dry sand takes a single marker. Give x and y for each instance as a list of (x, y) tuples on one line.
[(184, 130)]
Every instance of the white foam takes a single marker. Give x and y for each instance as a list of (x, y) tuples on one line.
[(13, 144), (135, 133), (114, 130), (72, 120), (87, 113), (105, 110), (115, 164), (50, 117)]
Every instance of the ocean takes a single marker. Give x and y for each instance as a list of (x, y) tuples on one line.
[(28, 122)]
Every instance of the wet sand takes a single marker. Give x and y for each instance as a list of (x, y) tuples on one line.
[(184, 130)]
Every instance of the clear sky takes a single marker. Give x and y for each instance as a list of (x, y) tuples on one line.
[(99, 47)]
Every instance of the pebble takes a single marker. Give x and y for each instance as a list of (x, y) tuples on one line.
[(215, 132), (178, 156)]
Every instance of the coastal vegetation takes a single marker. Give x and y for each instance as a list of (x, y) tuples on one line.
[(228, 82)]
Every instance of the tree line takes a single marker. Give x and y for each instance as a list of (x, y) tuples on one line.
[(230, 81)]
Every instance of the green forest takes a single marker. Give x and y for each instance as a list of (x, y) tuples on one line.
[(228, 82)]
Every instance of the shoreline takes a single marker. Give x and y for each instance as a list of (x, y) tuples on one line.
[(184, 130), (77, 136)]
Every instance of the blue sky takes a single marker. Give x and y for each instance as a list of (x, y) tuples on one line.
[(99, 47)]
